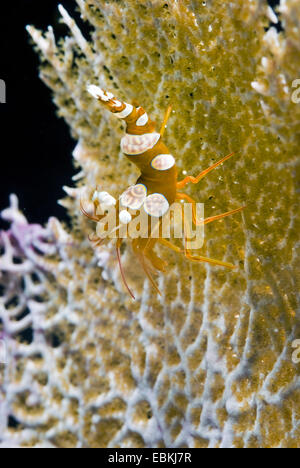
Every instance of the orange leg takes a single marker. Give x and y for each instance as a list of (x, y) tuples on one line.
[(139, 251), (118, 245), (223, 215), (184, 196), (148, 251), (96, 241), (195, 258), (198, 258), (165, 121), (156, 262), (195, 180)]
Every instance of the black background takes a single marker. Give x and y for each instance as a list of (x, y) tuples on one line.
[(36, 146)]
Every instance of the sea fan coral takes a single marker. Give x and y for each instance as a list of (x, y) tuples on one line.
[(210, 363)]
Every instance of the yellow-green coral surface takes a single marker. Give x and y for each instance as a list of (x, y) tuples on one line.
[(208, 364)]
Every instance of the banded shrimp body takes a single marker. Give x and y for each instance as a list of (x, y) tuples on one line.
[(152, 197)]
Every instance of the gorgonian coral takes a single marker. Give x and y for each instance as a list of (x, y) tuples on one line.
[(210, 363)]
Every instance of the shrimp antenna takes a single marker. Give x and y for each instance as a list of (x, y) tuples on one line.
[(165, 121), (89, 216)]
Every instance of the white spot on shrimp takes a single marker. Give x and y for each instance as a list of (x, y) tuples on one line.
[(125, 112), (99, 93), (125, 217), (163, 162), (134, 196), (142, 120), (156, 205), (116, 103), (138, 144)]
